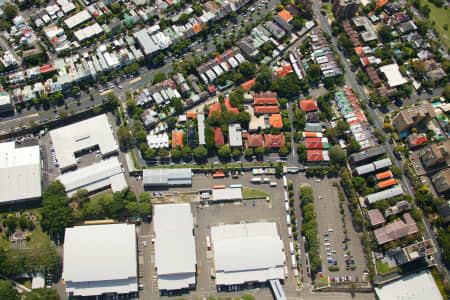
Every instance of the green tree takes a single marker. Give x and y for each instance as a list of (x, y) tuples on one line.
[(259, 151), (385, 33), (186, 152), (380, 135), (249, 152), (178, 105), (75, 90), (10, 11), (302, 153), (41, 294), (314, 73), (247, 69), (224, 151), (176, 153), (145, 204), (337, 155), (396, 171), (7, 291), (163, 153), (284, 151), (56, 213), (236, 152), (116, 8), (200, 153), (125, 137), (183, 19), (159, 77)]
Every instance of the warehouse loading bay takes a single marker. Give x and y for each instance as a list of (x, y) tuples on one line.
[(258, 210)]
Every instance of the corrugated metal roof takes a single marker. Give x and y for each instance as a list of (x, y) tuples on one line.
[(393, 192)]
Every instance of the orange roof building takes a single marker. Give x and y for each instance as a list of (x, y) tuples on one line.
[(276, 121), (315, 155), (177, 138), (384, 175), (255, 140), (215, 107), (381, 3), (274, 140), (387, 183), (191, 114), (285, 15), (309, 105), (272, 109), (248, 84), (218, 137), (266, 98), (229, 107)]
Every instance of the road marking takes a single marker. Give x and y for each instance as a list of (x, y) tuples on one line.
[(105, 92), (135, 80)]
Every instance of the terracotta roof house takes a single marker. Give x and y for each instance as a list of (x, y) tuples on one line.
[(375, 217), (272, 109), (317, 155), (215, 107), (396, 230), (416, 140), (177, 138), (285, 15), (274, 140), (265, 98), (384, 175), (309, 105), (387, 183), (218, 137), (255, 140), (248, 84), (229, 107), (276, 121)]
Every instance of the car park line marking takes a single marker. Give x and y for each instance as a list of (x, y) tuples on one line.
[(135, 80)]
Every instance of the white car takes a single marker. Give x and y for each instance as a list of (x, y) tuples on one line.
[(330, 229), (320, 197), (317, 180)]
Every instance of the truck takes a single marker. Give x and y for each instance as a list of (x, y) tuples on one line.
[(288, 219), (294, 262), (286, 204), (285, 182), (273, 184), (266, 180), (256, 180), (289, 231), (291, 245)]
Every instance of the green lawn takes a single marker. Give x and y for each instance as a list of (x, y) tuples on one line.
[(383, 268), (440, 16), (328, 9), (248, 193)]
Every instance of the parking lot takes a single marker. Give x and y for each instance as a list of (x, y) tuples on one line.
[(331, 229), (206, 216)]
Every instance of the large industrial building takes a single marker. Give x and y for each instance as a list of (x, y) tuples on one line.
[(73, 140), (227, 194), (100, 259), (153, 178), (175, 255), (247, 253), (417, 286), (102, 175), (20, 173)]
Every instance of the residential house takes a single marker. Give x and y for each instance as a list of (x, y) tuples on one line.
[(410, 117), (441, 181), (435, 153), (396, 230)]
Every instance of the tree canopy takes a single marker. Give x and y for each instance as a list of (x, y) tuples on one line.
[(56, 213)]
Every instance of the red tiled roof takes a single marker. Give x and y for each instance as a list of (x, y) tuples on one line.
[(276, 121), (177, 138), (191, 114), (272, 109), (315, 155), (264, 100), (274, 140), (310, 134), (417, 140), (386, 183), (381, 3), (215, 107), (309, 105), (218, 137), (229, 107), (248, 84), (211, 89), (313, 139), (314, 145), (285, 15), (384, 175), (255, 140), (47, 68)]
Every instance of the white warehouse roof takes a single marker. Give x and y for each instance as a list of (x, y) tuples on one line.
[(393, 75), (227, 194), (167, 177), (100, 259), (416, 286), (20, 172), (386, 194), (97, 176), (247, 252), (175, 256), (80, 136)]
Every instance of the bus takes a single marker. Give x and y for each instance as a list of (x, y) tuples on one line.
[(285, 182), (256, 180), (236, 186)]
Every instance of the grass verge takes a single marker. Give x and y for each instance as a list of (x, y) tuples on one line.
[(440, 16), (383, 268), (249, 193)]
